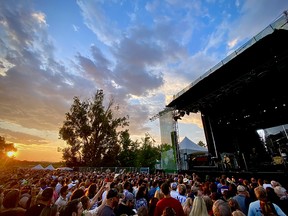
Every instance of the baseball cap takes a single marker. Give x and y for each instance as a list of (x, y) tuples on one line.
[(174, 185)]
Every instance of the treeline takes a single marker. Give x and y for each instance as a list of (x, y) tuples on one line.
[(95, 137)]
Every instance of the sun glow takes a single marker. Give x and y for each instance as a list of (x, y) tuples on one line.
[(11, 154)]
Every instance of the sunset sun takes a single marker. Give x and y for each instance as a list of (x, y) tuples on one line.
[(11, 154)]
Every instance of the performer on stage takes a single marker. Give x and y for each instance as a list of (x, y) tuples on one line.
[(227, 162)]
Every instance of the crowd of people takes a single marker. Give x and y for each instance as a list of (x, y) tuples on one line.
[(71, 193)]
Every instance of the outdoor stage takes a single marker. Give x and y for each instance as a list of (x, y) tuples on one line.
[(243, 102), (280, 174)]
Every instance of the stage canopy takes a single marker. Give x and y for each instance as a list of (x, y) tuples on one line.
[(244, 93), (249, 83)]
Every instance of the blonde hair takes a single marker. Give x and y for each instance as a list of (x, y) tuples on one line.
[(199, 207)]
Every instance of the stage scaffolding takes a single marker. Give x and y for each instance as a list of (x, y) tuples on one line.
[(170, 160)]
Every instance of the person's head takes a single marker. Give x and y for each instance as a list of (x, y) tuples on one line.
[(73, 208), (141, 192), (260, 193), (173, 186), (182, 189), (241, 189), (199, 207), (91, 190), (85, 202), (233, 205), (274, 183), (142, 211), (165, 188), (208, 201), (46, 195), (221, 208), (50, 211), (112, 198), (169, 211), (155, 184), (77, 194), (11, 199), (127, 185), (64, 191), (129, 200), (25, 201)]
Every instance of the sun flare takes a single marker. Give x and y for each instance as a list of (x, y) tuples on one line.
[(11, 154)]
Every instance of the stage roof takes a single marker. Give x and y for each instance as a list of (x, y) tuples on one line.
[(250, 80)]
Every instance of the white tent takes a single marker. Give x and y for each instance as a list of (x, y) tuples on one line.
[(65, 169), (37, 167), (187, 147), (50, 167)]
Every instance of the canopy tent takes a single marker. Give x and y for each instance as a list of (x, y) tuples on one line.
[(50, 167), (187, 147), (65, 169), (37, 167)]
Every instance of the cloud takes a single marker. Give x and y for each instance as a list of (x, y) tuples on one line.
[(19, 137), (140, 62), (75, 28), (36, 90), (96, 20), (254, 17)]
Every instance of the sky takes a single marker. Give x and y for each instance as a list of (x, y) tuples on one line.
[(139, 52)]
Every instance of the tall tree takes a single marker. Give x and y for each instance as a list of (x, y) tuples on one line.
[(148, 154), (129, 151), (91, 131)]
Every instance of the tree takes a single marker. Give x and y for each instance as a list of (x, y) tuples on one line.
[(129, 151), (5, 148), (148, 155), (165, 147), (91, 131), (202, 144)]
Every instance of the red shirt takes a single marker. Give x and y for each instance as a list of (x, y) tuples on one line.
[(168, 202)]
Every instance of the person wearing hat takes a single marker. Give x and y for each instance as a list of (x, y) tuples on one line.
[(43, 199), (174, 193), (242, 198), (126, 206), (112, 200)]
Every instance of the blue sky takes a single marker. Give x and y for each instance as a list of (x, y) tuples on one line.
[(140, 52)]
